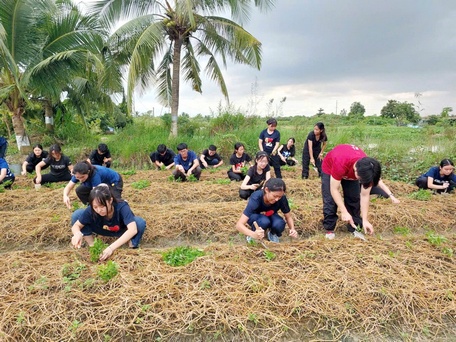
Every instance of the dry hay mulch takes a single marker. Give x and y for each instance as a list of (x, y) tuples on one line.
[(331, 290), (394, 285)]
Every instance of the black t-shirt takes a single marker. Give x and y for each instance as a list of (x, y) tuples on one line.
[(239, 162), (287, 153), (208, 158), (166, 159), (34, 160), (97, 159), (59, 168), (316, 144), (255, 178)]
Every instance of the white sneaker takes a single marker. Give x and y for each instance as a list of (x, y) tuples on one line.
[(272, 237), (359, 235), (330, 235)]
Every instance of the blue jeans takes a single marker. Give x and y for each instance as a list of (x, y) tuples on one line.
[(90, 228), (274, 222)]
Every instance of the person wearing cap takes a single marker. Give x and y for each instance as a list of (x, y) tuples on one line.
[(163, 157), (101, 156), (210, 158), (269, 142), (347, 166), (186, 162)]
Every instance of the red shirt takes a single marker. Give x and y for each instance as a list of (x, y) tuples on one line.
[(340, 160)]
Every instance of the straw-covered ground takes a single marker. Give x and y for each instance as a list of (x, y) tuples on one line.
[(399, 285)]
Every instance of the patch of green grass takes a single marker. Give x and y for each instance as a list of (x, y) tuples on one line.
[(108, 271), (181, 256), (269, 255), (192, 178), (448, 252), (128, 172), (142, 184), (421, 195), (435, 239), (222, 181), (95, 251), (401, 230), (291, 204)]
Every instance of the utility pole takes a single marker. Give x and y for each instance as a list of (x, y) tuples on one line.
[(336, 107)]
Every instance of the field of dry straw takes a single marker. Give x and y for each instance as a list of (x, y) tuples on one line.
[(399, 285)]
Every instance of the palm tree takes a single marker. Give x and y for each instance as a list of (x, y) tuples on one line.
[(44, 45), (163, 39)]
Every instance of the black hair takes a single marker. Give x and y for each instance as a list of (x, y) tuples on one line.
[(294, 140), (84, 168), (271, 121), (54, 148), (182, 146), (212, 148), (161, 148), (39, 146), (275, 184), (369, 171), (103, 148), (446, 162), (102, 193), (321, 127), (260, 155), (237, 145)]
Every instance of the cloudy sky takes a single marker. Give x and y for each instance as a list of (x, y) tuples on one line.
[(330, 53)]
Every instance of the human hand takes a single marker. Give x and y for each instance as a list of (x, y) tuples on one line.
[(258, 234), (293, 233), (76, 240), (445, 185), (368, 228), (320, 156), (106, 253), (312, 161), (394, 199), (346, 217), (38, 180), (67, 201), (254, 186)]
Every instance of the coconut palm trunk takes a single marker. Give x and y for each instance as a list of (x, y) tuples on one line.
[(175, 85)]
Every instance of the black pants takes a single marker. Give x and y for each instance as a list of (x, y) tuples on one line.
[(7, 180), (30, 167), (306, 162), (421, 182), (245, 194), (235, 176), (351, 195), (83, 192), (274, 161)]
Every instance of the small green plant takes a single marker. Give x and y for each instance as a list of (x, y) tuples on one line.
[(142, 184), (181, 256), (40, 284), (401, 230), (5, 185), (253, 318), (435, 239), (222, 181), (95, 251), (448, 252), (269, 255), (55, 218), (71, 272), (76, 205), (421, 195), (192, 178), (244, 170), (108, 271), (74, 326), (205, 284), (171, 178), (291, 204), (408, 244), (20, 319), (128, 172)]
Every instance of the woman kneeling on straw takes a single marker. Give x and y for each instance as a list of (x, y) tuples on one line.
[(261, 213)]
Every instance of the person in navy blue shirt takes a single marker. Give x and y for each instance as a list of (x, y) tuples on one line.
[(269, 142), (106, 216), (6, 176), (186, 162), (439, 178), (90, 176), (261, 210)]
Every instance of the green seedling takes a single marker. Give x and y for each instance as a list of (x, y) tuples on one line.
[(421, 195), (95, 251), (142, 184), (181, 256), (435, 239), (108, 271)]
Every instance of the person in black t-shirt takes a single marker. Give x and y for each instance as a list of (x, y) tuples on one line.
[(163, 157), (287, 152), (101, 156), (256, 175), (60, 167), (313, 150), (210, 157), (33, 159), (238, 161)]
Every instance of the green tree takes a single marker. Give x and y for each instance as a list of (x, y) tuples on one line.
[(446, 112), (357, 110), (46, 47), (161, 40), (401, 111)]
